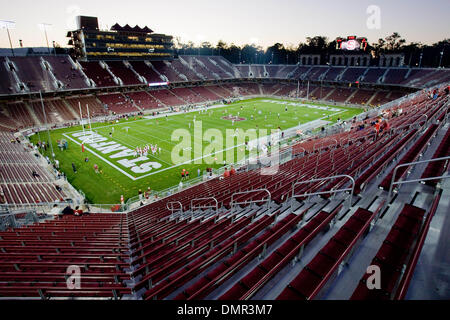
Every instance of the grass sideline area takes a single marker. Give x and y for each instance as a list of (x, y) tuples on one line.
[(109, 147)]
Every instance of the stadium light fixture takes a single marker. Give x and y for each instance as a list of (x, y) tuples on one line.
[(8, 25), (440, 60), (44, 27)]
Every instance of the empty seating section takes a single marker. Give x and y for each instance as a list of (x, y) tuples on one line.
[(220, 91), (333, 73), (7, 121), (146, 71), (316, 73), (353, 74), (214, 67), (66, 72), (340, 94), (300, 72), (362, 96), (312, 279), (188, 95), (395, 76), (167, 97), (118, 103), (224, 244), (232, 265), (30, 192), (245, 89), (35, 259), (167, 71), (120, 70), (200, 67), (19, 112), (410, 156), (226, 65), (50, 115), (271, 89), (31, 72), (60, 108), (145, 101), (7, 82), (373, 75), (288, 91), (96, 109), (258, 71), (244, 70), (393, 255), (280, 258), (188, 72), (100, 76), (207, 93), (380, 98)]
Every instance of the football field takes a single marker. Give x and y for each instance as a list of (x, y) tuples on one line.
[(192, 140)]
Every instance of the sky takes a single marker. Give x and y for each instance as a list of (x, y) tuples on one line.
[(262, 22)]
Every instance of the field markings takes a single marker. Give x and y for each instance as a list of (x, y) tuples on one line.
[(171, 166), (100, 157)]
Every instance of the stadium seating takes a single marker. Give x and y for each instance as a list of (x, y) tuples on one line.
[(7, 82), (66, 72), (96, 73), (31, 72), (312, 279), (125, 74), (35, 260), (167, 97), (393, 254), (118, 103), (146, 71), (145, 101)]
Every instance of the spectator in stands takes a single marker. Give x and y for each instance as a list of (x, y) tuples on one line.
[(67, 211), (78, 211), (232, 171), (35, 174), (226, 174)]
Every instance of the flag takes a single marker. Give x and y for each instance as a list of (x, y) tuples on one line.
[(82, 147)]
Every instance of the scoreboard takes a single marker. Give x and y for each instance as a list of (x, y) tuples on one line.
[(351, 43), (121, 42)]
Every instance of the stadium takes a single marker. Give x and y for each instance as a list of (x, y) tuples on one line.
[(133, 167)]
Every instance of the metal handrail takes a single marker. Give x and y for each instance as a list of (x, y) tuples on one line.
[(172, 209), (205, 207), (391, 186), (233, 203), (352, 189)]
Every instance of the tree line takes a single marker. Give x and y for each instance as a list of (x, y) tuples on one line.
[(416, 53)]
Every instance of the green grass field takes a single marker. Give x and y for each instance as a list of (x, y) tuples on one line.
[(123, 174)]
